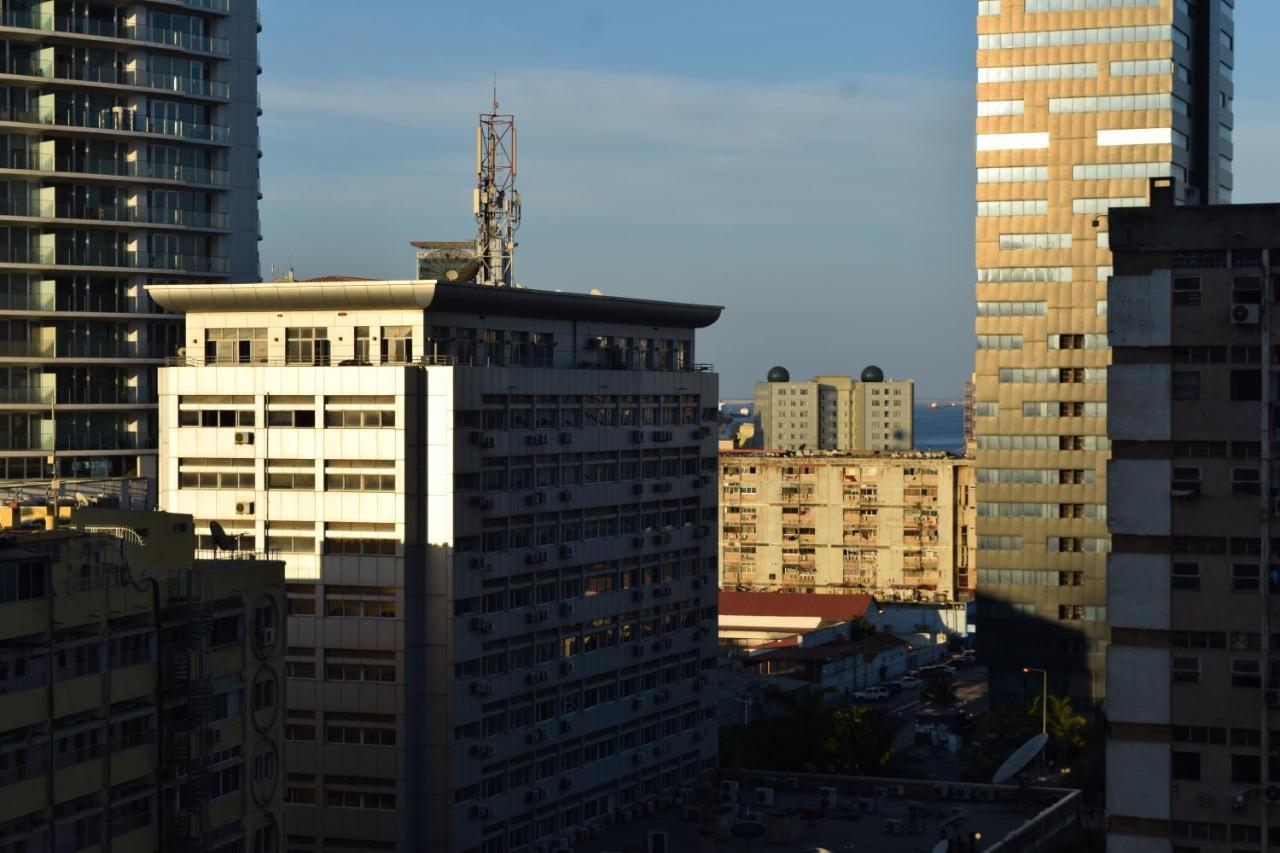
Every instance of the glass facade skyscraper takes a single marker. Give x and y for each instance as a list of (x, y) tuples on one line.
[(1079, 103)]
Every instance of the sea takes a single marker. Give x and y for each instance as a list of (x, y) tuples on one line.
[(941, 428)]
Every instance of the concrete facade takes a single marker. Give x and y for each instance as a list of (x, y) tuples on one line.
[(500, 553), (1079, 104), (835, 413), (1192, 682), (130, 155), (141, 689), (899, 526)]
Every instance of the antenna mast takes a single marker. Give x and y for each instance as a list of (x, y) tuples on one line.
[(496, 202)]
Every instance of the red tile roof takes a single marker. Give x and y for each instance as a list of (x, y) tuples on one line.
[(828, 608)]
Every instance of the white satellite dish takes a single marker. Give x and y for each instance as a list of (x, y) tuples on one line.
[(941, 847), (1021, 757), (220, 537)]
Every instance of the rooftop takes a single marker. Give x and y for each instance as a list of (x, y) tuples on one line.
[(788, 649), (869, 816), (827, 608), (844, 454), (449, 297)]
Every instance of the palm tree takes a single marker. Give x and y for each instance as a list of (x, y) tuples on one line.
[(1066, 728), (938, 691), (860, 740)]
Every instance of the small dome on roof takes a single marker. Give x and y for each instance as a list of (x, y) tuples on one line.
[(779, 374), (871, 373)]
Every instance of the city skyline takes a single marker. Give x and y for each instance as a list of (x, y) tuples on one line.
[(700, 143)]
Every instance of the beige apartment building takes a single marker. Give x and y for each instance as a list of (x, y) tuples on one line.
[(895, 525), (1079, 103), (141, 687), (1193, 699), (835, 412)]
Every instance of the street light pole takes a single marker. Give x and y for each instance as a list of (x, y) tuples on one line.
[(1044, 705)]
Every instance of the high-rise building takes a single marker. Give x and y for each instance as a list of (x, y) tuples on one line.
[(141, 687), (896, 525), (129, 155), (497, 511), (1193, 698), (835, 412), (1079, 103)]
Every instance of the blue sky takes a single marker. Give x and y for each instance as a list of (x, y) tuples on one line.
[(810, 169)]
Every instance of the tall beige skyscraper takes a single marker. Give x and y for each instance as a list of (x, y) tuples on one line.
[(1079, 103)]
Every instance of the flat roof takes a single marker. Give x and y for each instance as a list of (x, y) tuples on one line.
[(826, 607), (451, 297)]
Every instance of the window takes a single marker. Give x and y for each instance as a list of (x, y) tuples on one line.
[(291, 474), (1246, 769), (360, 602), (1244, 577), (1019, 73), (1186, 576), (1058, 38), (361, 352), (1246, 481), (1186, 290), (1186, 670), (306, 346), (1246, 672), (359, 475), (1185, 765), (23, 580), (235, 346), (1012, 141), (1186, 384), (397, 344), (359, 412), (195, 473)]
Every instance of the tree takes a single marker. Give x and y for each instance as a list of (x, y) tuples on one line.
[(1066, 728), (860, 740), (799, 728), (938, 691)]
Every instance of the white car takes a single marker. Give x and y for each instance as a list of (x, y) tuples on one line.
[(872, 694), (908, 681)]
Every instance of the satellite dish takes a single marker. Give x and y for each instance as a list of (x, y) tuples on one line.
[(220, 537), (1021, 758), (941, 847), (81, 500), (182, 352)]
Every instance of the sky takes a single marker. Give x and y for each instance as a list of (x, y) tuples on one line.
[(807, 166)]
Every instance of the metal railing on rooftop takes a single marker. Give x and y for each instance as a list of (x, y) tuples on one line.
[(81, 25)]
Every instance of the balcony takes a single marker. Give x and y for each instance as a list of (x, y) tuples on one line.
[(27, 396), (35, 162), (100, 396), (45, 208), (110, 29), (28, 349), (120, 119), (115, 258), (49, 69)]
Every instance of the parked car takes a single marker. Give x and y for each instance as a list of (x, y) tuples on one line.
[(871, 694), (910, 680), (894, 687)]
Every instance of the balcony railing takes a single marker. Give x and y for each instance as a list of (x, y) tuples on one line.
[(93, 396), (47, 208), (26, 442), (116, 258), (111, 29), (108, 349), (37, 162), (50, 69), (119, 119), (28, 349), (27, 396)]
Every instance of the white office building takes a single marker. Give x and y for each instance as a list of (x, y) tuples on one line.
[(496, 507)]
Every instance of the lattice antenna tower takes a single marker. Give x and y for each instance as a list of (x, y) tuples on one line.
[(496, 201)]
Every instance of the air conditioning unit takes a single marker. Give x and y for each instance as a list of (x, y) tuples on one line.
[(482, 812), (482, 750), (939, 792), (637, 436), (729, 791), (567, 552), (566, 608), (244, 508), (764, 797), (960, 792), (880, 792), (828, 798), (897, 790), (668, 643), (1244, 314), (481, 688), (244, 438), (867, 805), (984, 795)]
